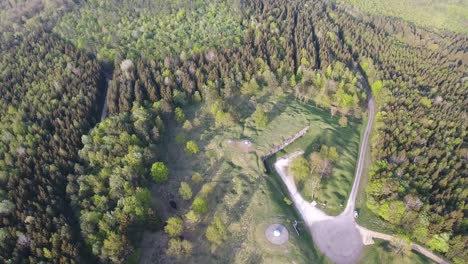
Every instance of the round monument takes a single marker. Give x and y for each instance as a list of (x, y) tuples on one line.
[(277, 234)]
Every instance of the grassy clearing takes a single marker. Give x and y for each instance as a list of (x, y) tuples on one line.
[(236, 188), (381, 252), (288, 117), (443, 15)]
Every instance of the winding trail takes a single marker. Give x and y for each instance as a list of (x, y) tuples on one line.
[(340, 238), (104, 107)]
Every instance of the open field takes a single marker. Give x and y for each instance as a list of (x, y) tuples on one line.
[(236, 188), (442, 15)]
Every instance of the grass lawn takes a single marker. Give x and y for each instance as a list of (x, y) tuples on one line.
[(381, 252)]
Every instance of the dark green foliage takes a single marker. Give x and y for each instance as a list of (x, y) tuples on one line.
[(48, 99)]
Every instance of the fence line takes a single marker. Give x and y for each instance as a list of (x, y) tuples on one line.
[(286, 143)]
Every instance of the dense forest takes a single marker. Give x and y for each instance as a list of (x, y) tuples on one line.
[(166, 56), (49, 97)]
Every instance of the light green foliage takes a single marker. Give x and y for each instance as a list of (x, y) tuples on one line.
[(174, 226), (179, 248), (187, 125), (292, 81), (335, 89), (376, 87), (442, 15), (439, 242), (47, 253), (343, 121), (216, 231), (137, 204), (287, 201), (159, 171), (112, 246), (426, 102), (250, 88), (401, 245), (200, 206), (222, 117), (142, 28), (300, 169), (260, 117), (329, 153), (111, 195), (392, 211), (179, 115), (192, 217), (197, 178), (191, 147), (185, 191)]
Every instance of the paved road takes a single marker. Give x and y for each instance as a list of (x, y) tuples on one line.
[(337, 237)]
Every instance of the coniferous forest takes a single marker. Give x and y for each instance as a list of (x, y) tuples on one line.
[(76, 189)]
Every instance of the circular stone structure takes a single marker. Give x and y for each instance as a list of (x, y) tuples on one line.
[(277, 234)]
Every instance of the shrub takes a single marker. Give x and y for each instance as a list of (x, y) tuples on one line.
[(191, 147), (179, 248), (216, 231), (300, 168), (185, 191), (159, 171), (200, 206), (174, 226), (179, 115), (192, 217), (197, 178)]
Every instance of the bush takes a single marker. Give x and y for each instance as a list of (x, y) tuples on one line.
[(185, 191), (179, 248), (191, 147), (197, 178), (300, 168), (179, 115), (200, 206), (260, 117), (343, 122), (174, 226), (159, 171), (216, 231), (192, 217)]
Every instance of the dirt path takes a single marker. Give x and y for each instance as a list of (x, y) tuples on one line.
[(104, 108), (362, 156)]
